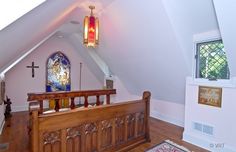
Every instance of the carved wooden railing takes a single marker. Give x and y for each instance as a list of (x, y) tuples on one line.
[(39, 98), (114, 127)]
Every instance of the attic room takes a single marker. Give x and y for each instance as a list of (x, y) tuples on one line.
[(158, 76)]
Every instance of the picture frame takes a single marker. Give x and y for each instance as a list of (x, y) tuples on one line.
[(109, 84), (211, 96)]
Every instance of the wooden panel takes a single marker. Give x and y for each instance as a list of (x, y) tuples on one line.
[(119, 130), (105, 128), (91, 137), (56, 147), (73, 143), (80, 116), (70, 145), (47, 148), (51, 141), (140, 124), (130, 126), (18, 138), (106, 134)]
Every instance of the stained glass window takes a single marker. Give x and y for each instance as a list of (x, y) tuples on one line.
[(58, 73)]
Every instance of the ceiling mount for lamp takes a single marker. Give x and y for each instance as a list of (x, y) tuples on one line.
[(91, 25), (91, 7)]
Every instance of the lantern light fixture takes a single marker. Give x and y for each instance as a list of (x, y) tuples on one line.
[(91, 32)]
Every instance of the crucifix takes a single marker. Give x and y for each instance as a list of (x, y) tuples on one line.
[(32, 67)]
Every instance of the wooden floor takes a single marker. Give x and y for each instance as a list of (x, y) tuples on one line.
[(15, 133)]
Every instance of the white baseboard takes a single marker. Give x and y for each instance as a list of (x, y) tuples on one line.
[(2, 125), (166, 118), (206, 144), (23, 108), (19, 108), (167, 111)]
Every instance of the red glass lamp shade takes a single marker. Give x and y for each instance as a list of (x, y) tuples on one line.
[(91, 29)]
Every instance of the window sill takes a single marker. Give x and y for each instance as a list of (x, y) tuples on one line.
[(231, 83)]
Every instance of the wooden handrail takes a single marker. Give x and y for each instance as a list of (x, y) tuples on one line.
[(42, 96), (68, 94)]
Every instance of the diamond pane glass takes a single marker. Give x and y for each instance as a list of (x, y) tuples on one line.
[(212, 61)]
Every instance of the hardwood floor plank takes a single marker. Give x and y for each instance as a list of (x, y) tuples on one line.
[(15, 133)]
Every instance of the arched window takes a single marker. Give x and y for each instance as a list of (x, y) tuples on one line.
[(58, 73)]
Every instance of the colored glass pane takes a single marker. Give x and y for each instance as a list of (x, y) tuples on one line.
[(58, 73)]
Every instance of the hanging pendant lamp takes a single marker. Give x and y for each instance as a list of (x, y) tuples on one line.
[(91, 25)]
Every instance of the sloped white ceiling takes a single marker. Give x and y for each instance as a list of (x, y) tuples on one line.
[(140, 47), (61, 17), (190, 17), (11, 10), (147, 44), (226, 10), (152, 48), (26, 32)]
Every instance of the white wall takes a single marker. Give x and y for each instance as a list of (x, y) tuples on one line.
[(163, 110), (225, 11), (186, 20), (167, 111), (19, 81), (122, 94), (140, 47), (221, 119)]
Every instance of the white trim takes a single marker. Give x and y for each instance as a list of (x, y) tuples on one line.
[(19, 108), (206, 144), (231, 83), (207, 36), (166, 118), (24, 108), (2, 76), (2, 125)]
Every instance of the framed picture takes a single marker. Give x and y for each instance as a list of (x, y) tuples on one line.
[(109, 84), (210, 96)]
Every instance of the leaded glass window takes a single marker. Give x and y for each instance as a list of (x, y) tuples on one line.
[(58, 73), (211, 61)]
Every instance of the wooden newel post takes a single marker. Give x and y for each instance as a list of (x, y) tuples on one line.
[(57, 105), (108, 99), (72, 103), (98, 101), (40, 106), (146, 97), (85, 101), (35, 131)]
